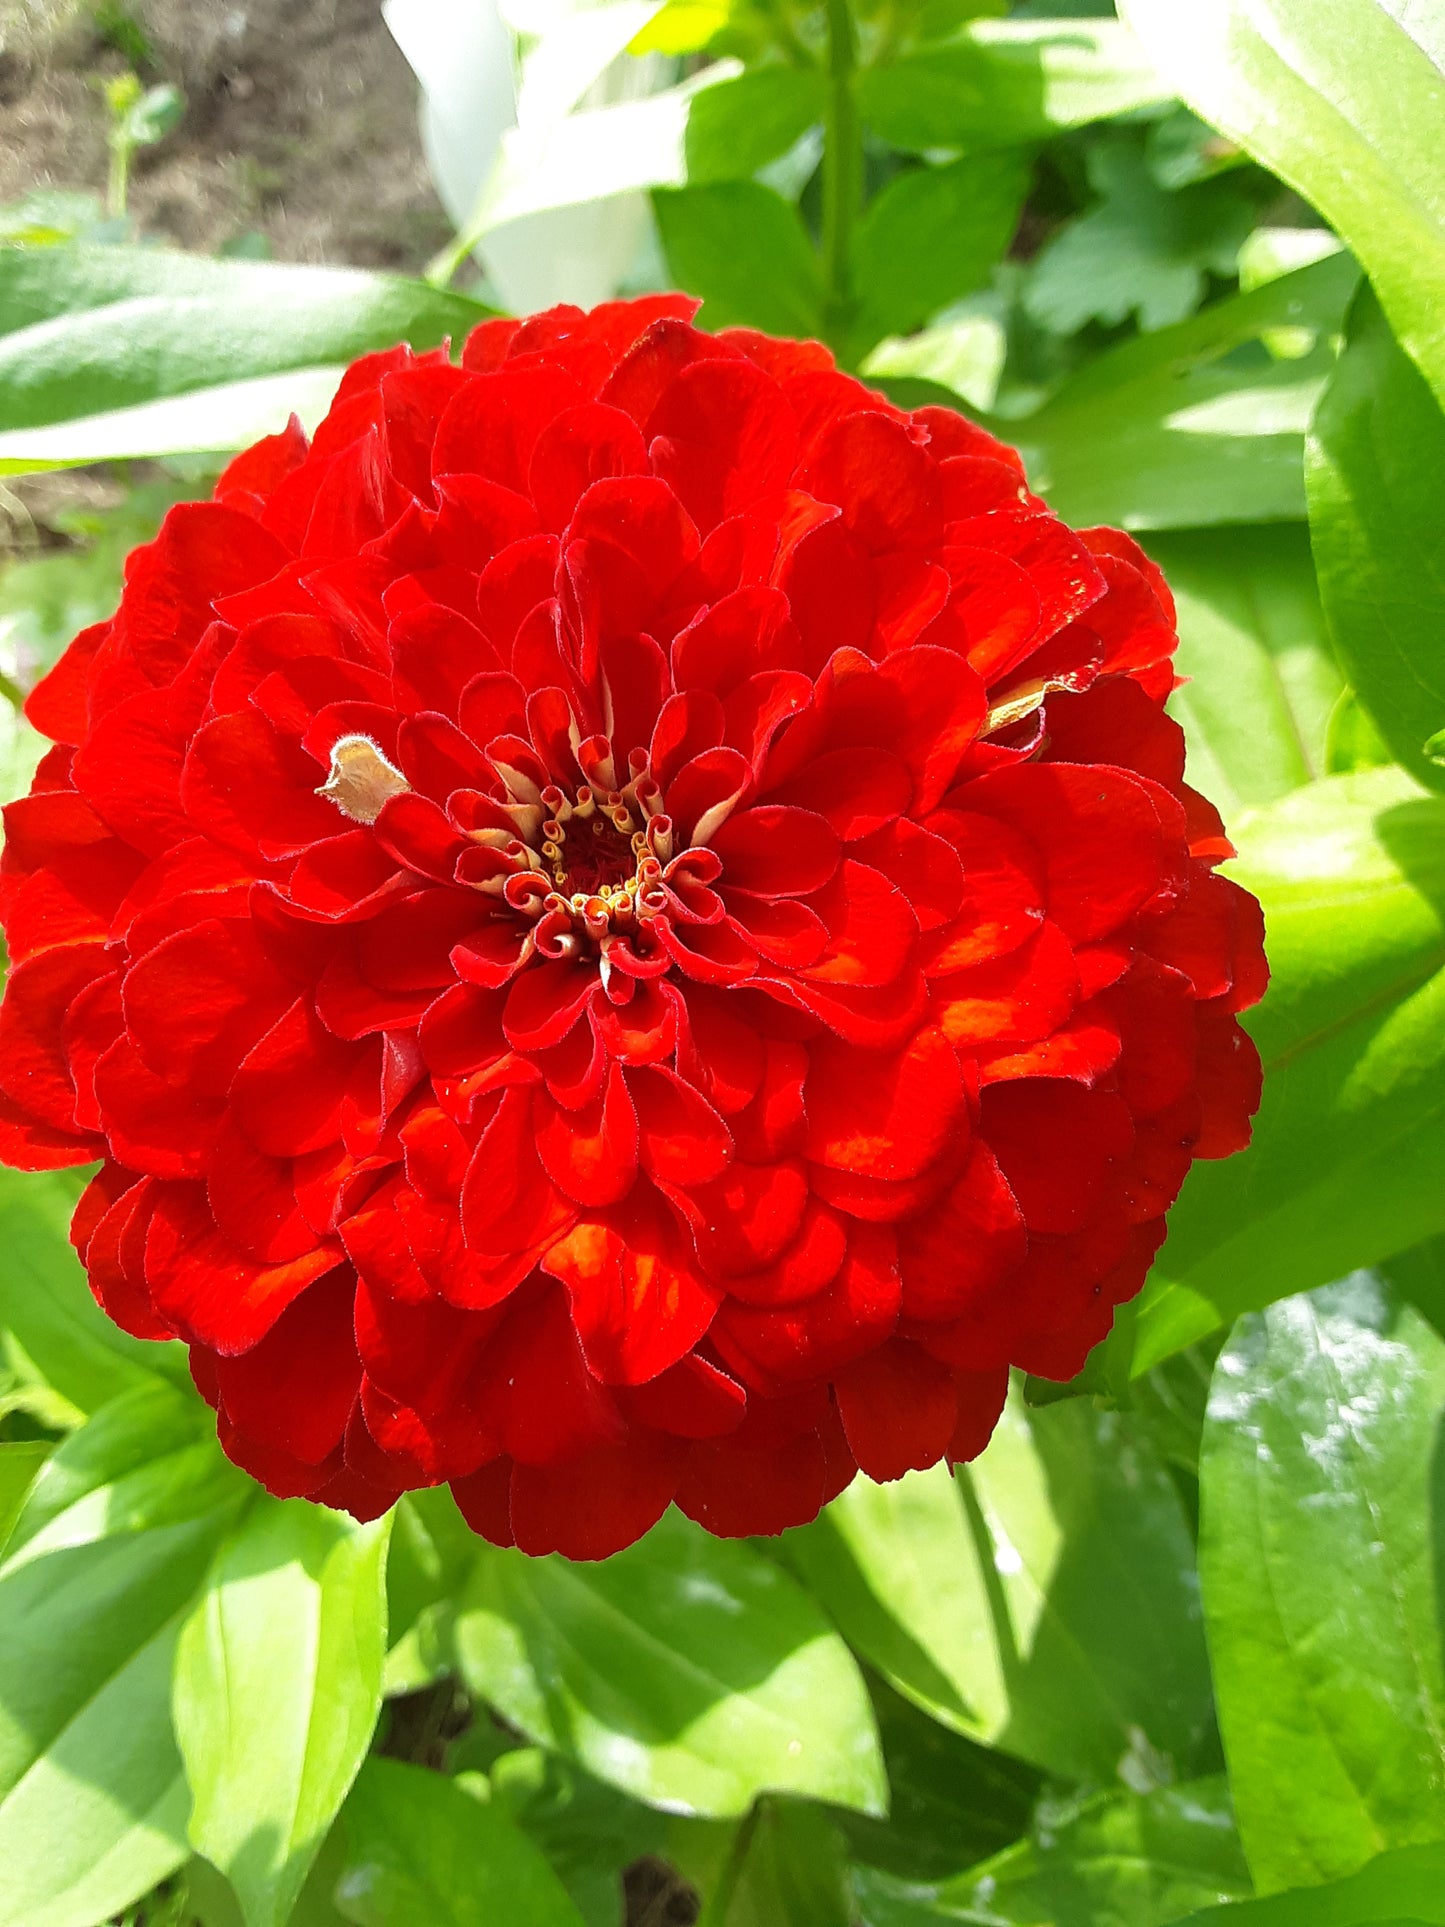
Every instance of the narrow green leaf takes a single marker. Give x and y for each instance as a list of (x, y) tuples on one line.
[(1042, 1601), (1007, 83), (744, 249), (1129, 1860), (1320, 1521), (689, 1671), (1348, 1145), (1196, 424), (739, 125), (1401, 1889), (20, 1460), (1378, 525), (1322, 1512), (1262, 681), (1342, 99), (92, 1798), (45, 1303), (277, 1689), (932, 235), (419, 1852)]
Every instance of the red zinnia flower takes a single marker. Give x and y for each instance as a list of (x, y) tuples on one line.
[(627, 927)]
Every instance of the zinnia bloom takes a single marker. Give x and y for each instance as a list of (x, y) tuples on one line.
[(627, 927)]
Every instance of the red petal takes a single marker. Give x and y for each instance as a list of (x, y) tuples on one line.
[(899, 1409), (887, 1116), (211, 1293), (1059, 1146)]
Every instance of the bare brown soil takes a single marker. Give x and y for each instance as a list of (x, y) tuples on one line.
[(300, 122)]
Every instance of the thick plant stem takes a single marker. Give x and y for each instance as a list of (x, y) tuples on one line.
[(842, 167)]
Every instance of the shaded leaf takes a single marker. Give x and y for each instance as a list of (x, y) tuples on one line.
[(744, 249), (1006, 83), (1378, 526), (738, 125), (419, 1852), (1401, 1889)]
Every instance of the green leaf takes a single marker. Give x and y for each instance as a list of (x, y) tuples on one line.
[(89, 331), (1348, 1145), (740, 124), (1322, 1512), (1379, 535), (92, 1798), (1007, 83), (1043, 1600), (784, 1862), (1418, 1275), (689, 1671), (932, 235), (590, 1833), (1128, 1860), (1262, 681), (431, 1552), (147, 1459), (744, 249), (45, 1304), (1401, 1889), (1342, 99), (1140, 250), (420, 1852), (20, 1460), (952, 1802), (1194, 424), (277, 1689)]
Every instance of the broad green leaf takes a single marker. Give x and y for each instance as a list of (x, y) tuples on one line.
[(1401, 1889), (1348, 1145), (1352, 741), (1322, 1521), (85, 330), (1140, 249), (1262, 681), (785, 1861), (952, 1802), (207, 421), (589, 1832), (1379, 535), (1343, 99), (690, 1671), (745, 250), (932, 235), (1120, 1860), (965, 357), (277, 1689), (147, 1459), (1194, 424), (20, 1460), (419, 1852), (740, 124), (1042, 1601), (1006, 83), (1418, 1275), (92, 1798), (45, 1304)]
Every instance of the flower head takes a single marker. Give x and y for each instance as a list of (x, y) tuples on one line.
[(628, 928)]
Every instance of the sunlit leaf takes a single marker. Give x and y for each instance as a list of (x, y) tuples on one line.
[(1322, 1518)]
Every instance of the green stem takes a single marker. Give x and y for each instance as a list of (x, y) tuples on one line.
[(117, 185), (842, 165), (720, 1900), (11, 690)]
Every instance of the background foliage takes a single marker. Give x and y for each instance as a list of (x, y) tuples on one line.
[(1172, 1649)]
